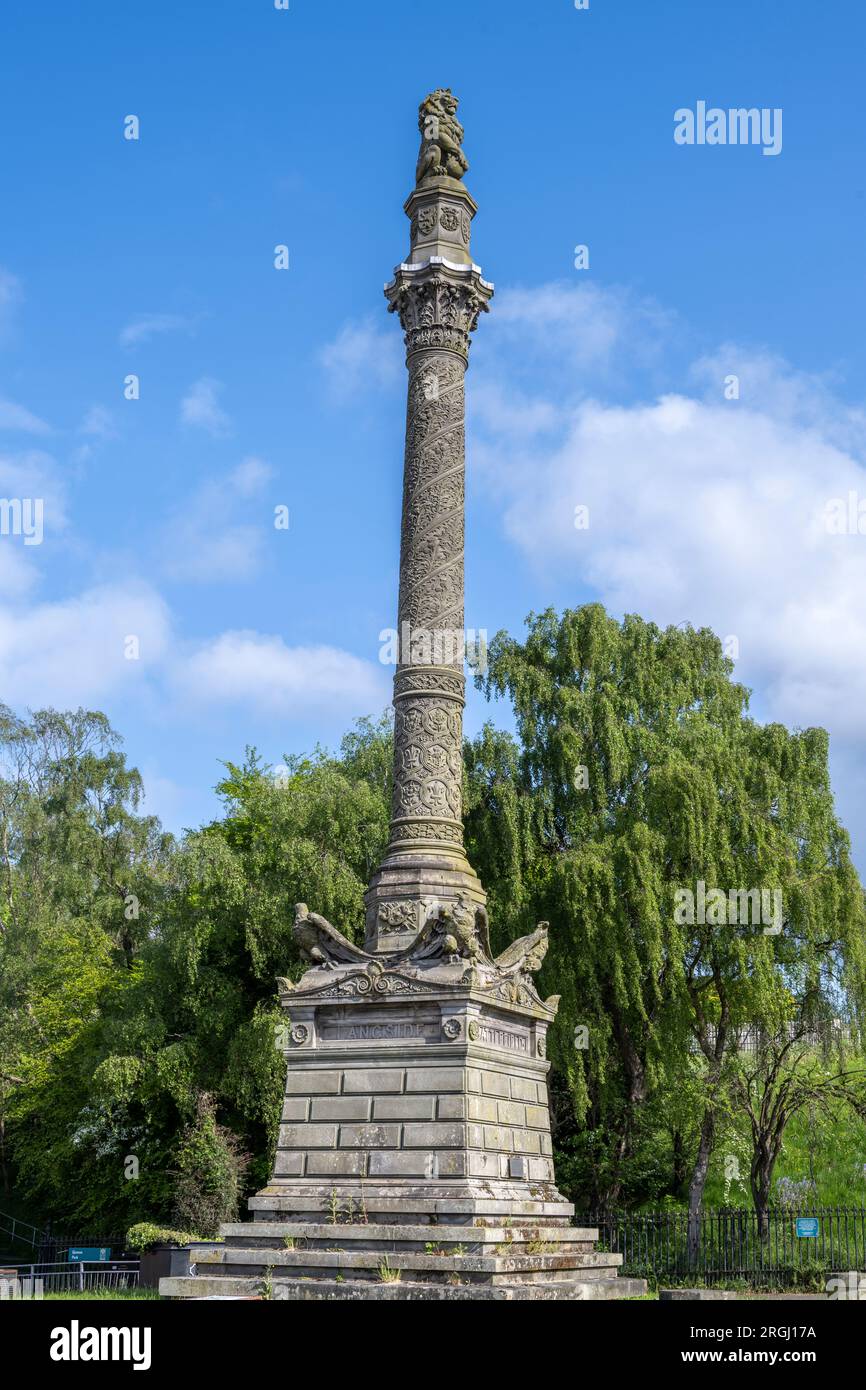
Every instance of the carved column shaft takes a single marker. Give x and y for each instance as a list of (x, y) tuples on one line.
[(429, 685), (438, 295)]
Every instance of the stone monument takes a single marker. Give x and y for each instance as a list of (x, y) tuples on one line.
[(414, 1158)]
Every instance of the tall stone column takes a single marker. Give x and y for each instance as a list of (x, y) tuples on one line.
[(415, 1135), (438, 294)]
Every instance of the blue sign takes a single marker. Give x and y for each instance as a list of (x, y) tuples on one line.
[(808, 1227), (90, 1253)]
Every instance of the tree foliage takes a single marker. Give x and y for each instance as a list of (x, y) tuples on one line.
[(137, 975), (646, 776)]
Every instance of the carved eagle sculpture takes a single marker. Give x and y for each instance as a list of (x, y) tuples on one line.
[(526, 955), (457, 929), (321, 944)]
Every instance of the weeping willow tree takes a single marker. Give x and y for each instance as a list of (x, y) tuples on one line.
[(689, 860)]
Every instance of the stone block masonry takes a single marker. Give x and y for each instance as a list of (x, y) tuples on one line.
[(468, 1102)]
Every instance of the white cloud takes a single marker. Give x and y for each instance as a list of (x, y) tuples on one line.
[(250, 476), (32, 476), (16, 418), (99, 423), (77, 652), (578, 328), (364, 356), (18, 572), (219, 533), (260, 672), (74, 651), (147, 326), (705, 510), (200, 407), (511, 412)]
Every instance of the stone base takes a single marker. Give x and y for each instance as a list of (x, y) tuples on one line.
[(516, 1258), (414, 1158), (404, 1291), (413, 1204), (414, 1081)]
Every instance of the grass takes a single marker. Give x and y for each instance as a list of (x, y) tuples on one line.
[(387, 1275)]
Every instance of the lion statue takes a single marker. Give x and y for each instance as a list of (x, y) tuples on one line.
[(441, 137)]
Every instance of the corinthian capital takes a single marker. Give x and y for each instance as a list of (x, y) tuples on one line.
[(439, 305)]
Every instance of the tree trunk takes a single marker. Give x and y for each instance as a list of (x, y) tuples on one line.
[(761, 1176), (698, 1183), (679, 1171), (636, 1094)]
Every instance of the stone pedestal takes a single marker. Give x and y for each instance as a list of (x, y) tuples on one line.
[(414, 1159), (415, 1081)]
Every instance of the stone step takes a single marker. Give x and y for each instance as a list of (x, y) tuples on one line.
[(372, 1236), (368, 1265), (348, 1290), (408, 1291), (411, 1207), (205, 1286)]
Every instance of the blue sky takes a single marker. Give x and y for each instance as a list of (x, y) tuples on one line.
[(262, 388)]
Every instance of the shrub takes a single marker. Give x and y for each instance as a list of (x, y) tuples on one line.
[(210, 1169), (146, 1235)]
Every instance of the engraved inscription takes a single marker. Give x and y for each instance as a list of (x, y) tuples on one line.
[(416, 1023), (360, 1032), (493, 1035)]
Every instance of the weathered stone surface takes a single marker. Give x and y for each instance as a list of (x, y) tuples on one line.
[(495, 1084), (312, 1083), (373, 1080), (307, 1136), (523, 1089), (370, 1136), (341, 1108), (342, 1164), (383, 1236), (451, 1108), (316, 1260), (405, 1291), (406, 1108), (434, 1136), (297, 1110), (436, 1079), (410, 1164)]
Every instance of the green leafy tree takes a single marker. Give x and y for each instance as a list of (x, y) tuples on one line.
[(83, 874), (192, 1012), (799, 1068), (647, 776)]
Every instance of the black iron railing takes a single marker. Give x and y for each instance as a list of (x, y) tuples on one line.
[(730, 1245)]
